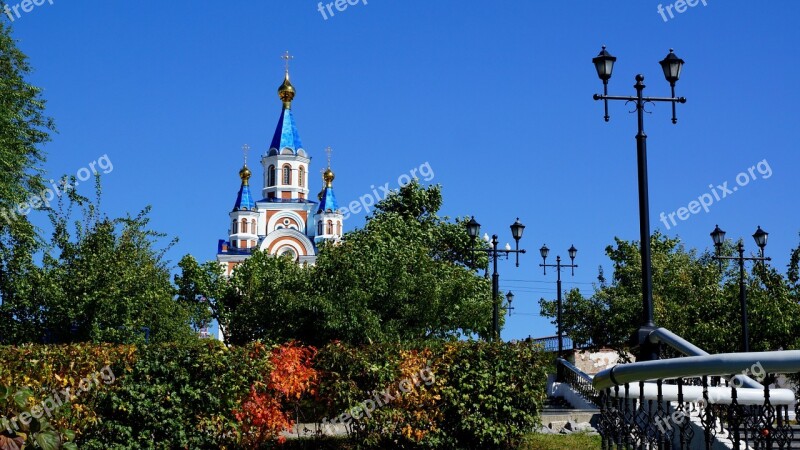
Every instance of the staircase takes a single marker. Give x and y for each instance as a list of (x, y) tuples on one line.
[(559, 415)]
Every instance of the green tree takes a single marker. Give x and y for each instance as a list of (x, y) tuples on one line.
[(24, 127), (105, 280), (405, 275), (692, 296), (269, 298)]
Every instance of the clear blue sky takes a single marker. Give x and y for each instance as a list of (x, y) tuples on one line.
[(495, 96)]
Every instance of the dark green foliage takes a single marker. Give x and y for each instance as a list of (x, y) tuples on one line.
[(484, 395), (494, 394), (176, 396), (24, 127)]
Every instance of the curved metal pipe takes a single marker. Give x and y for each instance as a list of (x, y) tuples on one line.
[(687, 348), (724, 364)]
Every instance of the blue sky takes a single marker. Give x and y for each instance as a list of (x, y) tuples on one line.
[(495, 96)]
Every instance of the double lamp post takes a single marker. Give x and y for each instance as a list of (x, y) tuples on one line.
[(671, 66), (760, 236), (474, 229), (544, 251)]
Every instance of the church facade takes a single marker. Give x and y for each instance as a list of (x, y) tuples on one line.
[(285, 221)]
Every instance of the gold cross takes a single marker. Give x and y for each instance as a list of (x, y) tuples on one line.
[(287, 57), (329, 150), (245, 149)]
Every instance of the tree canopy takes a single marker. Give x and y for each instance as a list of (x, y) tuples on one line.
[(406, 275), (693, 297), (101, 280)]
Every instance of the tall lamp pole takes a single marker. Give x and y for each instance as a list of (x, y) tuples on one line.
[(672, 66), (760, 236), (474, 229), (544, 251)]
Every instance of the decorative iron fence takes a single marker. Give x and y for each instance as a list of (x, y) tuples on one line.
[(698, 402)]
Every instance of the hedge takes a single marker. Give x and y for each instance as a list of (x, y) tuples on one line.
[(436, 395)]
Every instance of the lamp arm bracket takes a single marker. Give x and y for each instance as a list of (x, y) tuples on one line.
[(633, 99), (665, 99), (614, 97)]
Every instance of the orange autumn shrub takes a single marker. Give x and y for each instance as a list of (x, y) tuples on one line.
[(266, 411)]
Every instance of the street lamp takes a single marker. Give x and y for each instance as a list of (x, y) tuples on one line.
[(760, 236), (672, 67), (544, 251), (474, 230), (510, 298)]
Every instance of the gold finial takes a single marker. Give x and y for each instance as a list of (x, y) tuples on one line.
[(286, 90), (245, 173), (328, 174)]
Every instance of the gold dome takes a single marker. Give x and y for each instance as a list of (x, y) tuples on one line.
[(244, 174), (328, 177), (286, 92)]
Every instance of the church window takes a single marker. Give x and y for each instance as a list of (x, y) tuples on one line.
[(302, 175), (329, 229), (271, 176), (253, 226), (287, 174), (244, 225), (319, 228), (235, 227)]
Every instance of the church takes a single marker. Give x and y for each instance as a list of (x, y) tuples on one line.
[(285, 221)]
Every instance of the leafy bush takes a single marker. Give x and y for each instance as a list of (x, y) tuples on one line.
[(263, 414), (478, 395), (50, 393), (178, 397), (434, 395)]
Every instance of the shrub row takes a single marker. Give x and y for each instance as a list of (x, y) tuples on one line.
[(458, 395)]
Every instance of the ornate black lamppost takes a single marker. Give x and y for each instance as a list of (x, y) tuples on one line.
[(474, 229), (544, 251), (672, 66), (760, 236)]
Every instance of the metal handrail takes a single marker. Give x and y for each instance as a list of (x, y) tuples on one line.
[(680, 344), (697, 366), (574, 368), (568, 373)]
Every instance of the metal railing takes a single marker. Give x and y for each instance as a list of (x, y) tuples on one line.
[(550, 343), (567, 373), (699, 401)]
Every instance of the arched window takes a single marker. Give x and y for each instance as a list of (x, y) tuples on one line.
[(253, 225), (235, 227), (244, 225), (287, 174), (301, 174), (319, 228), (339, 227), (329, 229), (271, 176)]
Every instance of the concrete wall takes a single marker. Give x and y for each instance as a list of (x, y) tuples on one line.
[(591, 363)]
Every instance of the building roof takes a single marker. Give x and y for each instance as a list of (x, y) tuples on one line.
[(286, 135), (245, 199), (328, 201)]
